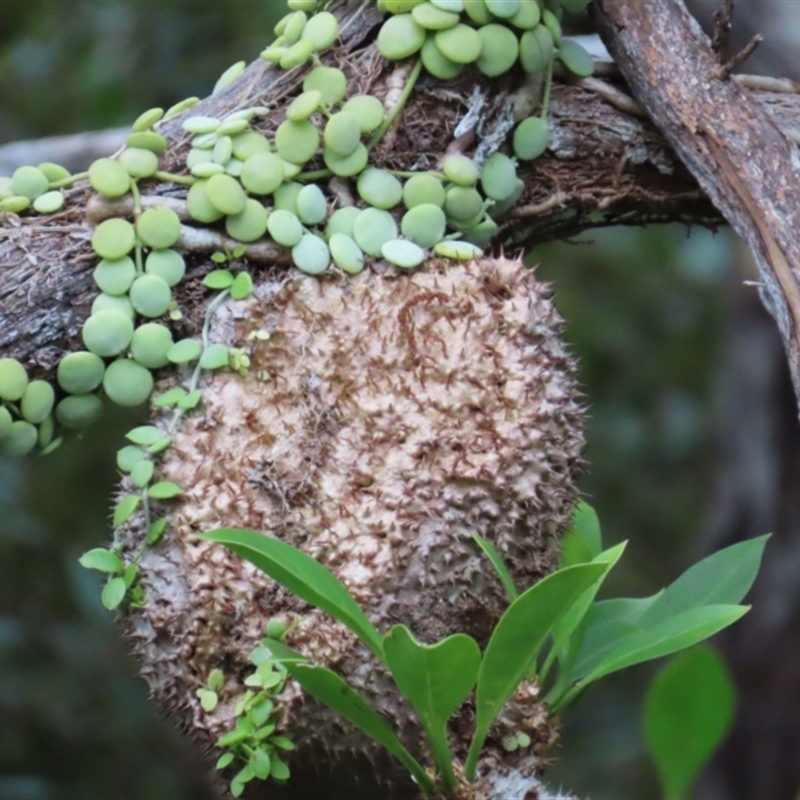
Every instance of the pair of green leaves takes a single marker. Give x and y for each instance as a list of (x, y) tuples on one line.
[(610, 635), (437, 678)]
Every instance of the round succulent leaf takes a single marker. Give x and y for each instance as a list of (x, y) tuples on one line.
[(13, 379), (483, 233), (115, 276), (503, 206), (20, 439), (184, 351), (498, 176), (331, 82), (505, 9), (400, 37), (129, 456), (531, 138), (322, 28), (29, 182), (346, 166), (149, 140), (455, 6), (108, 302), (150, 344), (461, 43), (575, 58), (170, 397), (138, 162), (113, 238), (528, 16), (342, 133), (462, 202), (127, 383), (147, 119), (234, 168), (167, 264), (424, 224), (423, 189), (79, 410), (550, 21), (536, 49), (311, 255), (229, 76), (346, 253), (53, 172), (107, 333), (37, 402), (262, 173), (292, 29), (433, 18), (6, 189), (159, 227), (379, 188), (199, 205), (284, 227), (15, 204), (437, 63), (403, 253), (200, 124), (341, 221), (197, 157), (226, 194), (367, 110), (304, 105), (297, 142), (109, 177), (478, 12), (372, 228), (150, 295), (457, 250), (499, 52), (80, 372), (285, 196), (249, 143), (250, 225), (297, 54), (223, 150), (49, 202), (312, 207), (460, 169)]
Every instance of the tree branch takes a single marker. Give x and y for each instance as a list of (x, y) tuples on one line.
[(731, 143)]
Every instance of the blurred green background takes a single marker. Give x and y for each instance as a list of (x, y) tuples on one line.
[(648, 311)]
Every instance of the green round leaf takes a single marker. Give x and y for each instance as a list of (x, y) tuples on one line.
[(147, 119), (458, 251), (113, 238), (379, 188), (346, 253), (498, 177), (297, 142), (346, 166), (576, 58), (107, 333), (437, 63), (127, 383), (242, 287), (159, 227), (80, 372), (226, 194), (37, 402), (460, 169), (304, 105), (341, 221), (462, 202), (109, 177), (138, 162), (79, 410), (19, 440), (285, 196), (167, 264), (402, 253), (322, 29), (199, 204), (114, 277), (342, 134), (150, 344), (311, 255), (424, 224), (249, 143), (29, 182), (148, 140), (312, 207), (184, 351), (461, 43), (499, 52), (284, 227), (423, 189), (215, 356), (400, 37), (505, 9), (536, 49), (13, 379), (49, 202), (372, 228), (150, 295), (367, 110), (250, 225), (329, 81), (102, 560), (262, 173)]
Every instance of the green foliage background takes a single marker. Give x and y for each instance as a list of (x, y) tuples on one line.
[(645, 314)]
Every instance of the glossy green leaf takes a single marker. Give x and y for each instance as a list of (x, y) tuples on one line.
[(218, 279), (102, 560), (567, 625), (302, 575), (688, 712), (113, 593), (721, 579), (125, 508), (663, 639), (330, 689), (516, 641), (436, 679), (500, 568), (224, 761)]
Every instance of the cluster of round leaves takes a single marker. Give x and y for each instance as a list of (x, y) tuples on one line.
[(494, 35)]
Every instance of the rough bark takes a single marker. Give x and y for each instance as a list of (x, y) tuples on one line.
[(746, 165)]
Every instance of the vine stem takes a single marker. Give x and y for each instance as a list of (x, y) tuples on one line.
[(548, 85), (401, 102)]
